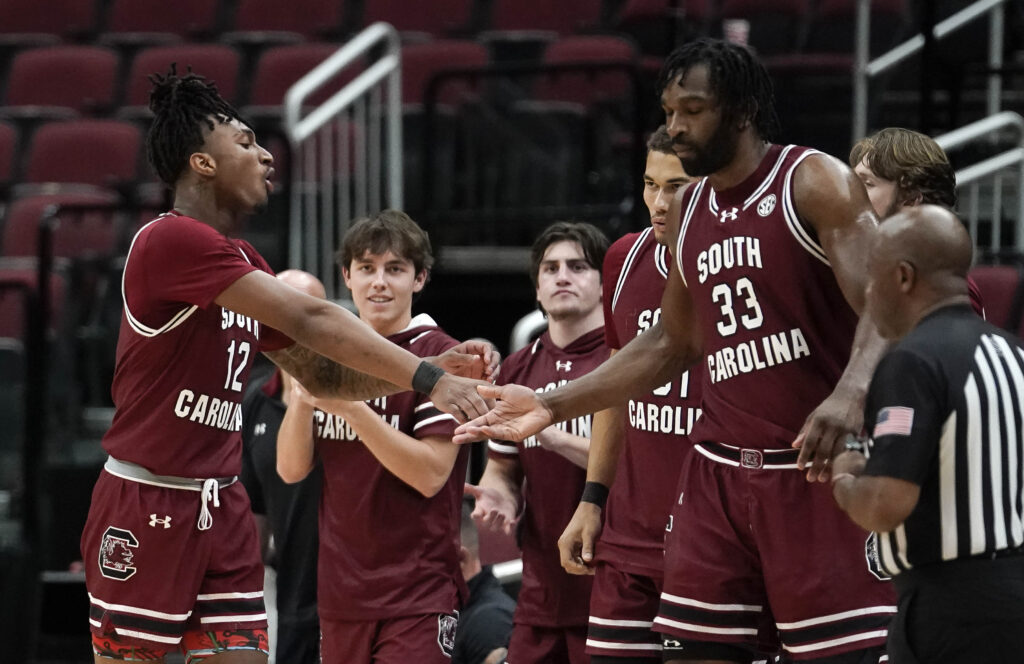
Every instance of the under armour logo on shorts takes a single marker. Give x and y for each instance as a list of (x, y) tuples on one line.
[(154, 521)]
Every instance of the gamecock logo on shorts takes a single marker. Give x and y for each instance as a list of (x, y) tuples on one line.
[(873, 557), (446, 626), (116, 555)]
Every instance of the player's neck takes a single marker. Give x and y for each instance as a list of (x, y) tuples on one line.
[(750, 151), (205, 210), (564, 331)]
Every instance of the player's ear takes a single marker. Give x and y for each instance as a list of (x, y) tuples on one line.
[(420, 282), (203, 163), (346, 275), (907, 276)]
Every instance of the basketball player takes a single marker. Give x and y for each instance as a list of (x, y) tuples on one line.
[(171, 550), (903, 168), (649, 433), (390, 583), (768, 277), (542, 477)]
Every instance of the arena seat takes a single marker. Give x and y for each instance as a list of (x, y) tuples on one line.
[(567, 17), (1001, 291), (88, 225), (151, 22), (102, 153), (586, 88), (438, 18), (776, 26), (32, 22), (658, 25), (61, 81), (219, 63), (270, 22), (422, 61), (12, 302), (279, 67), (8, 155)]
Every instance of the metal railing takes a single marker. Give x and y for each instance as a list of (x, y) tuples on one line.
[(864, 70), (347, 151), (995, 169)]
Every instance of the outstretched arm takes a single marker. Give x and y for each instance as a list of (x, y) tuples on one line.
[(295, 448), (832, 201), (648, 361), (499, 495), (335, 333)]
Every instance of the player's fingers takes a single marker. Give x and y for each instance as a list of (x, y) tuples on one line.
[(488, 391), (471, 490), (468, 433)]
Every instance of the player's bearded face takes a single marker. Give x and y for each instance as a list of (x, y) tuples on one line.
[(701, 159)]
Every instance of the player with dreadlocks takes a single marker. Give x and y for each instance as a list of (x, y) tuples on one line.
[(769, 248), (171, 550)]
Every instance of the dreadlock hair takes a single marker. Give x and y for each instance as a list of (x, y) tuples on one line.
[(183, 105), (660, 141), (738, 80)]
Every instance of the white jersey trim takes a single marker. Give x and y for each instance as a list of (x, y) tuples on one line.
[(502, 449), (792, 220), (661, 260), (691, 627), (431, 420), (685, 224), (134, 610), (852, 638), (628, 264), (620, 623), (767, 182), (617, 645)]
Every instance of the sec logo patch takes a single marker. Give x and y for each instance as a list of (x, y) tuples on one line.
[(766, 206)]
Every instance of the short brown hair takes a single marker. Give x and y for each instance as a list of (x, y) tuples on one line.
[(388, 230), (592, 241), (660, 141), (912, 160)]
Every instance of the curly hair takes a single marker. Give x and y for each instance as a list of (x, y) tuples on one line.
[(738, 80), (913, 161), (182, 106)]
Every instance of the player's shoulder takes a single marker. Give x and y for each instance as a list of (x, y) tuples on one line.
[(423, 336)]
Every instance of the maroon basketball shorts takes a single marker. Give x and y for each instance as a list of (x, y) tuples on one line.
[(532, 644), (152, 574), (758, 556), (623, 606), (426, 639)]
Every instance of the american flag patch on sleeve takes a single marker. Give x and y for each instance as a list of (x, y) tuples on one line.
[(894, 421)]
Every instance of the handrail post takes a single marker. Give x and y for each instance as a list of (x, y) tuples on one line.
[(860, 70)]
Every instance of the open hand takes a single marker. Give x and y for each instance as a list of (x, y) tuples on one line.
[(518, 413), (494, 510)]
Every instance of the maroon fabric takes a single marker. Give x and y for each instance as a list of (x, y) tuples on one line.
[(530, 644), (744, 539), (777, 330), (386, 550), (549, 596), (419, 638), (619, 604), (143, 553), (635, 270), (178, 391), (977, 301)]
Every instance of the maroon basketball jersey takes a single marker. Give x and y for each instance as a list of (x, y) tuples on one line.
[(182, 361), (635, 270), (549, 596), (385, 549), (777, 329)]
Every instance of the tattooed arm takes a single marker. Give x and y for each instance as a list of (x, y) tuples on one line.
[(326, 378)]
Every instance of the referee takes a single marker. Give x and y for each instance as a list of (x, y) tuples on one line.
[(942, 483)]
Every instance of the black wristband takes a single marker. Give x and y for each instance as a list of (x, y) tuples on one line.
[(426, 377), (596, 493)]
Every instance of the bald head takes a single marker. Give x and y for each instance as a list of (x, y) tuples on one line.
[(930, 238), (303, 281), (919, 261)]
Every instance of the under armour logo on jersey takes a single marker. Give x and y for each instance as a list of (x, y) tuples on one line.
[(728, 215), (766, 205), (260, 429), (154, 521), (563, 366)]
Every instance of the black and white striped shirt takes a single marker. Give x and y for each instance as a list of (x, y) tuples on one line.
[(946, 412)]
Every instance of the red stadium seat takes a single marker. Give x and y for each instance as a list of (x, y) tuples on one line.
[(437, 18), (564, 17), (217, 62), (75, 79), (12, 302), (88, 225), (8, 150), (32, 22), (148, 22), (103, 153), (1000, 288), (584, 88), (776, 26), (420, 62), (271, 21), (278, 68)]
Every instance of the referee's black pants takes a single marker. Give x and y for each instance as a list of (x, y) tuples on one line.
[(960, 612)]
